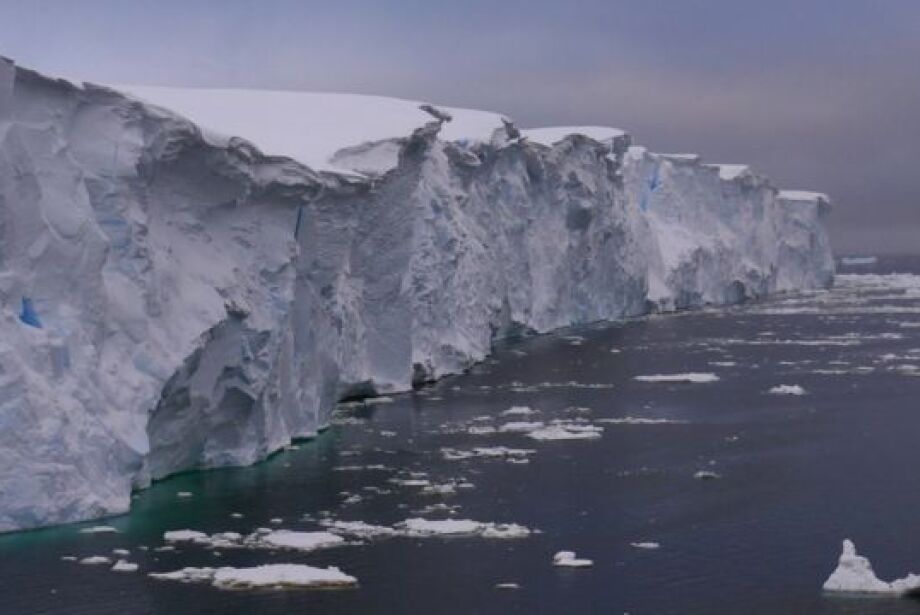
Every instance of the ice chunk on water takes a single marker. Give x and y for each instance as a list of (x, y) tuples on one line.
[(787, 389), (570, 560), (696, 378), (854, 574)]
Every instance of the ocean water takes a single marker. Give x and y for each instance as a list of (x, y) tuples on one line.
[(797, 475)]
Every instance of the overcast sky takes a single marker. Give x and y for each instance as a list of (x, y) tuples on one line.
[(818, 94)]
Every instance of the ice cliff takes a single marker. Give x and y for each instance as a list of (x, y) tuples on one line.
[(194, 287)]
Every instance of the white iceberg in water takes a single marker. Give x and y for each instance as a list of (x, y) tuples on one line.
[(787, 389), (568, 559), (124, 566), (854, 574), (268, 575), (461, 527), (696, 378), (519, 411)]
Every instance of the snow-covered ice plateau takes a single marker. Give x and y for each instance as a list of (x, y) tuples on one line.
[(192, 278)]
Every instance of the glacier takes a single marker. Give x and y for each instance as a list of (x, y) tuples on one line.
[(193, 278)]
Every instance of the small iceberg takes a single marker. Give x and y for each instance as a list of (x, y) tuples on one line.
[(787, 389), (854, 575), (519, 411), (707, 475), (268, 575), (124, 566), (562, 430), (460, 527), (568, 559), (692, 377)]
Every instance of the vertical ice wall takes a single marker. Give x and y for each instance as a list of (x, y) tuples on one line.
[(199, 303)]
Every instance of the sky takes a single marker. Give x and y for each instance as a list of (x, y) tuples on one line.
[(817, 94)]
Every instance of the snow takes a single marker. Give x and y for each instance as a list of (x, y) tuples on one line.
[(696, 378), (551, 135), (268, 575), (570, 560), (731, 172), (311, 127), (787, 389), (183, 312), (854, 574)]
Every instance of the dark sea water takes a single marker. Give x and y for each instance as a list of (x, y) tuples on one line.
[(798, 475)]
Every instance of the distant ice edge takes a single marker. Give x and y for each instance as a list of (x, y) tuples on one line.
[(159, 314)]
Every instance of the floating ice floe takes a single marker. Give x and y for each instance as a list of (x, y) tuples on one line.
[(99, 529), (121, 552), (447, 488), (96, 560), (186, 536), (358, 529), (298, 541), (507, 586), (854, 574), (268, 575), (692, 377), (262, 538), (632, 420), (521, 426), (706, 475), (568, 559), (461, 527), (519, 411), (124, 566), (184, 494), (645, 545), (490, 452), (787, 389), (560, 430), (481, 430)]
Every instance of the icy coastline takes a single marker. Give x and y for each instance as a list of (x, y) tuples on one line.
[(177, 295)]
